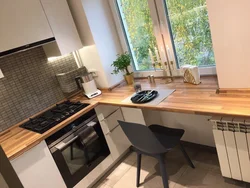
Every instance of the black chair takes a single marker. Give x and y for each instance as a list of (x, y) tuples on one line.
[(154, 141)]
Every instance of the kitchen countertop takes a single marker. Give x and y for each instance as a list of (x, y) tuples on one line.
[(15, 140), (195, 99)]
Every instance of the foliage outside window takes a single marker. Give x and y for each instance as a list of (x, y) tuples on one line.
[(139, 31), (189, 27), (191, 32)]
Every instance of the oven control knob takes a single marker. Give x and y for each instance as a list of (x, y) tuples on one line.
[(74, 127)]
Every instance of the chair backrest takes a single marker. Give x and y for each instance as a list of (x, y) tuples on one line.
[(142, 138)]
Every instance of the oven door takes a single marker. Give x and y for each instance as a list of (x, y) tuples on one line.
[(80, 153)]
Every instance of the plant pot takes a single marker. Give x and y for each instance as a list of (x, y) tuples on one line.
[(129, 79)]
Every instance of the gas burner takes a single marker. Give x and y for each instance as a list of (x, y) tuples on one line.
[(54, 116)]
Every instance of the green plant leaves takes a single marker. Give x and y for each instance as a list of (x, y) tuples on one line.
[(121, 63), (190, 30)]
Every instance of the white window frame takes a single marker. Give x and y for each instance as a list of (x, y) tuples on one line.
[(161, 32)]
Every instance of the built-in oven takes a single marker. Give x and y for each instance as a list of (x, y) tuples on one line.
[(78, 148)]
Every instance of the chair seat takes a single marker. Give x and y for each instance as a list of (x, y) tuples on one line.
[(155, 141), (168, 137)]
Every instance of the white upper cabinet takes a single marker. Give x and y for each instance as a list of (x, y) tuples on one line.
[(62, 25), (82, 25), (22, 22)]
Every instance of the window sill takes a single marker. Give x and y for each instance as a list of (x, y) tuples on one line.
[(159, 73)]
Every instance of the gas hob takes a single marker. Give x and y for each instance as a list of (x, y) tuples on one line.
[(54, 116)]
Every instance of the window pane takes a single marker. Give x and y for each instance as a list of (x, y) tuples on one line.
[(139, 31), (190, 32)]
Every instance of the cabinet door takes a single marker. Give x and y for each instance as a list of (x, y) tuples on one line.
[(133, 115), (111, 122), (21, 23), (36, 168), (62, 25), (104, 111), (118, 142), (3, 183)]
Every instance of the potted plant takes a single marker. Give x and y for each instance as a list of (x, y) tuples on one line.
[(121, 65)]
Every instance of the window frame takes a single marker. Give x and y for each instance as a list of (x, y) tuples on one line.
[(161, 32)]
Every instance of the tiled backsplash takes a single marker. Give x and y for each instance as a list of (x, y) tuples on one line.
[(30, 84)]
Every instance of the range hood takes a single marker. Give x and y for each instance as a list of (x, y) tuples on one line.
[(27, 46)]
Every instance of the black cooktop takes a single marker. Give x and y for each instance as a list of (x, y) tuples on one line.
[(54, 116)]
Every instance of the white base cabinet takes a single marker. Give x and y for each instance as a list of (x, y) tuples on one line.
[(117, 141), (3, 183), (133, 115), (37, 169)]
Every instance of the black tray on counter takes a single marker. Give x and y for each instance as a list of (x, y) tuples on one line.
[(144, 96)]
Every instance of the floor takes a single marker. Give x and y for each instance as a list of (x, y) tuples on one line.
[(206, 174)]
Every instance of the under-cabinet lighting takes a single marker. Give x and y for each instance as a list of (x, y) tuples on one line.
[(1, 74), (51, 59)]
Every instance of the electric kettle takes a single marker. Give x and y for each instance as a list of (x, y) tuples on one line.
[(87, 84)]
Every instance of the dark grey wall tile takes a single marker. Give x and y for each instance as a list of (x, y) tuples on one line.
[(30, 84)]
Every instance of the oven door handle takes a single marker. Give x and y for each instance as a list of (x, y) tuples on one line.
[(63, 145)]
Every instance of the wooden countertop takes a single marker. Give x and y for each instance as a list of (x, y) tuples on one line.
[(195, 99), (15, 140)]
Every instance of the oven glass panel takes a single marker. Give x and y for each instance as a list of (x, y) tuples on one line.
[(78, 155), (86, 152)]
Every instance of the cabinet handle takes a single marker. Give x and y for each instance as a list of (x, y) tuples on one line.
[(110, 131), (112, 113)]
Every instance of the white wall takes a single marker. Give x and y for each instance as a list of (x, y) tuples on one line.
[(105, 35), (91, 60), (197, 127), (230, 29), (81, 22)]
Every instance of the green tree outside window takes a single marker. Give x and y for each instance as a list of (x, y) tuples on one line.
[(189, 26)]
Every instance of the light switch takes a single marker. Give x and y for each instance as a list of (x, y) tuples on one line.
[(1, 74)]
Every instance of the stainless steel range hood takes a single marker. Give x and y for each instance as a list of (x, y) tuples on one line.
[(27, 47)]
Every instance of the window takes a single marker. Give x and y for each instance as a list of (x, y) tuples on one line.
[(167, 30), (138, 27), (190, 32)]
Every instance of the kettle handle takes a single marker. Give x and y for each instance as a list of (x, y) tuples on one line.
[(79, 82)]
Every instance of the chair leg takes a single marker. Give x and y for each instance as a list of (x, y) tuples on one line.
[(163, 171), (138, 169), (186, 156)]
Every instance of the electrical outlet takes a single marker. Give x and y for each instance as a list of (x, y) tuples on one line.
[(1, 74)]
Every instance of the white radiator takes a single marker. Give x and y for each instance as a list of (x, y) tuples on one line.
[(232, 140)]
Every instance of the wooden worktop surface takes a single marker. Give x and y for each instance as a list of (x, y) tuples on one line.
[(195, 99), (188, 98)]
